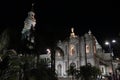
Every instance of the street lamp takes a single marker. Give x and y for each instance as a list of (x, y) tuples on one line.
[(110, 48), (111, 54)]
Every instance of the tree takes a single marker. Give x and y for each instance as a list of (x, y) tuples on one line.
[(89, 72), (43, 72), (15, 67), (9, 66), (72, 71), (9, 38), (4, 39)]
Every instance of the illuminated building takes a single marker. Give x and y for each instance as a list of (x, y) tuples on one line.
[(74, 49)]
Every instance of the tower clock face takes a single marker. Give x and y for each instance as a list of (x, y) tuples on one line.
[(72, 50)]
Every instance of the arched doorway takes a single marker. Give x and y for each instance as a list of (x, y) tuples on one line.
[(59, 71)]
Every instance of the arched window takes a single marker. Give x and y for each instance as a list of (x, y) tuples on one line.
[(59, 52), (59, 67), (87, 48), (94, 49), (72, 50)]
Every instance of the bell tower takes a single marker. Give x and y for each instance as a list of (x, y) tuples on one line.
[(29, 29), (90, 48)]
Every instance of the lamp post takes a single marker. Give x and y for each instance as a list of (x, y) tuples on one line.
[(111, 55)]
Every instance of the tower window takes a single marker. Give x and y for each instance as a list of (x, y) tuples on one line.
[(72, 50), (94, 49), (87, 49), (58, 54)]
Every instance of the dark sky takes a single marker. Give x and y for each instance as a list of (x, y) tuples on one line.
[(55, 18)]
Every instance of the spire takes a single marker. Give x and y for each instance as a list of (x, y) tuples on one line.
[(72, 30), (72, 34), (32, 9), (89, 32)]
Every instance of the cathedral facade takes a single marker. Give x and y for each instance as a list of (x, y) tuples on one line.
[(79, 51)]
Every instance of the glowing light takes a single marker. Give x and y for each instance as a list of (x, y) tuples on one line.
[(72, 50), (48, 51), (72, 33), (117, 58), (107, 43), (114, 41), (58, 54)]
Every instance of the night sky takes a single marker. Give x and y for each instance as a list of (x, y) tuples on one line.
[(55, 18)]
